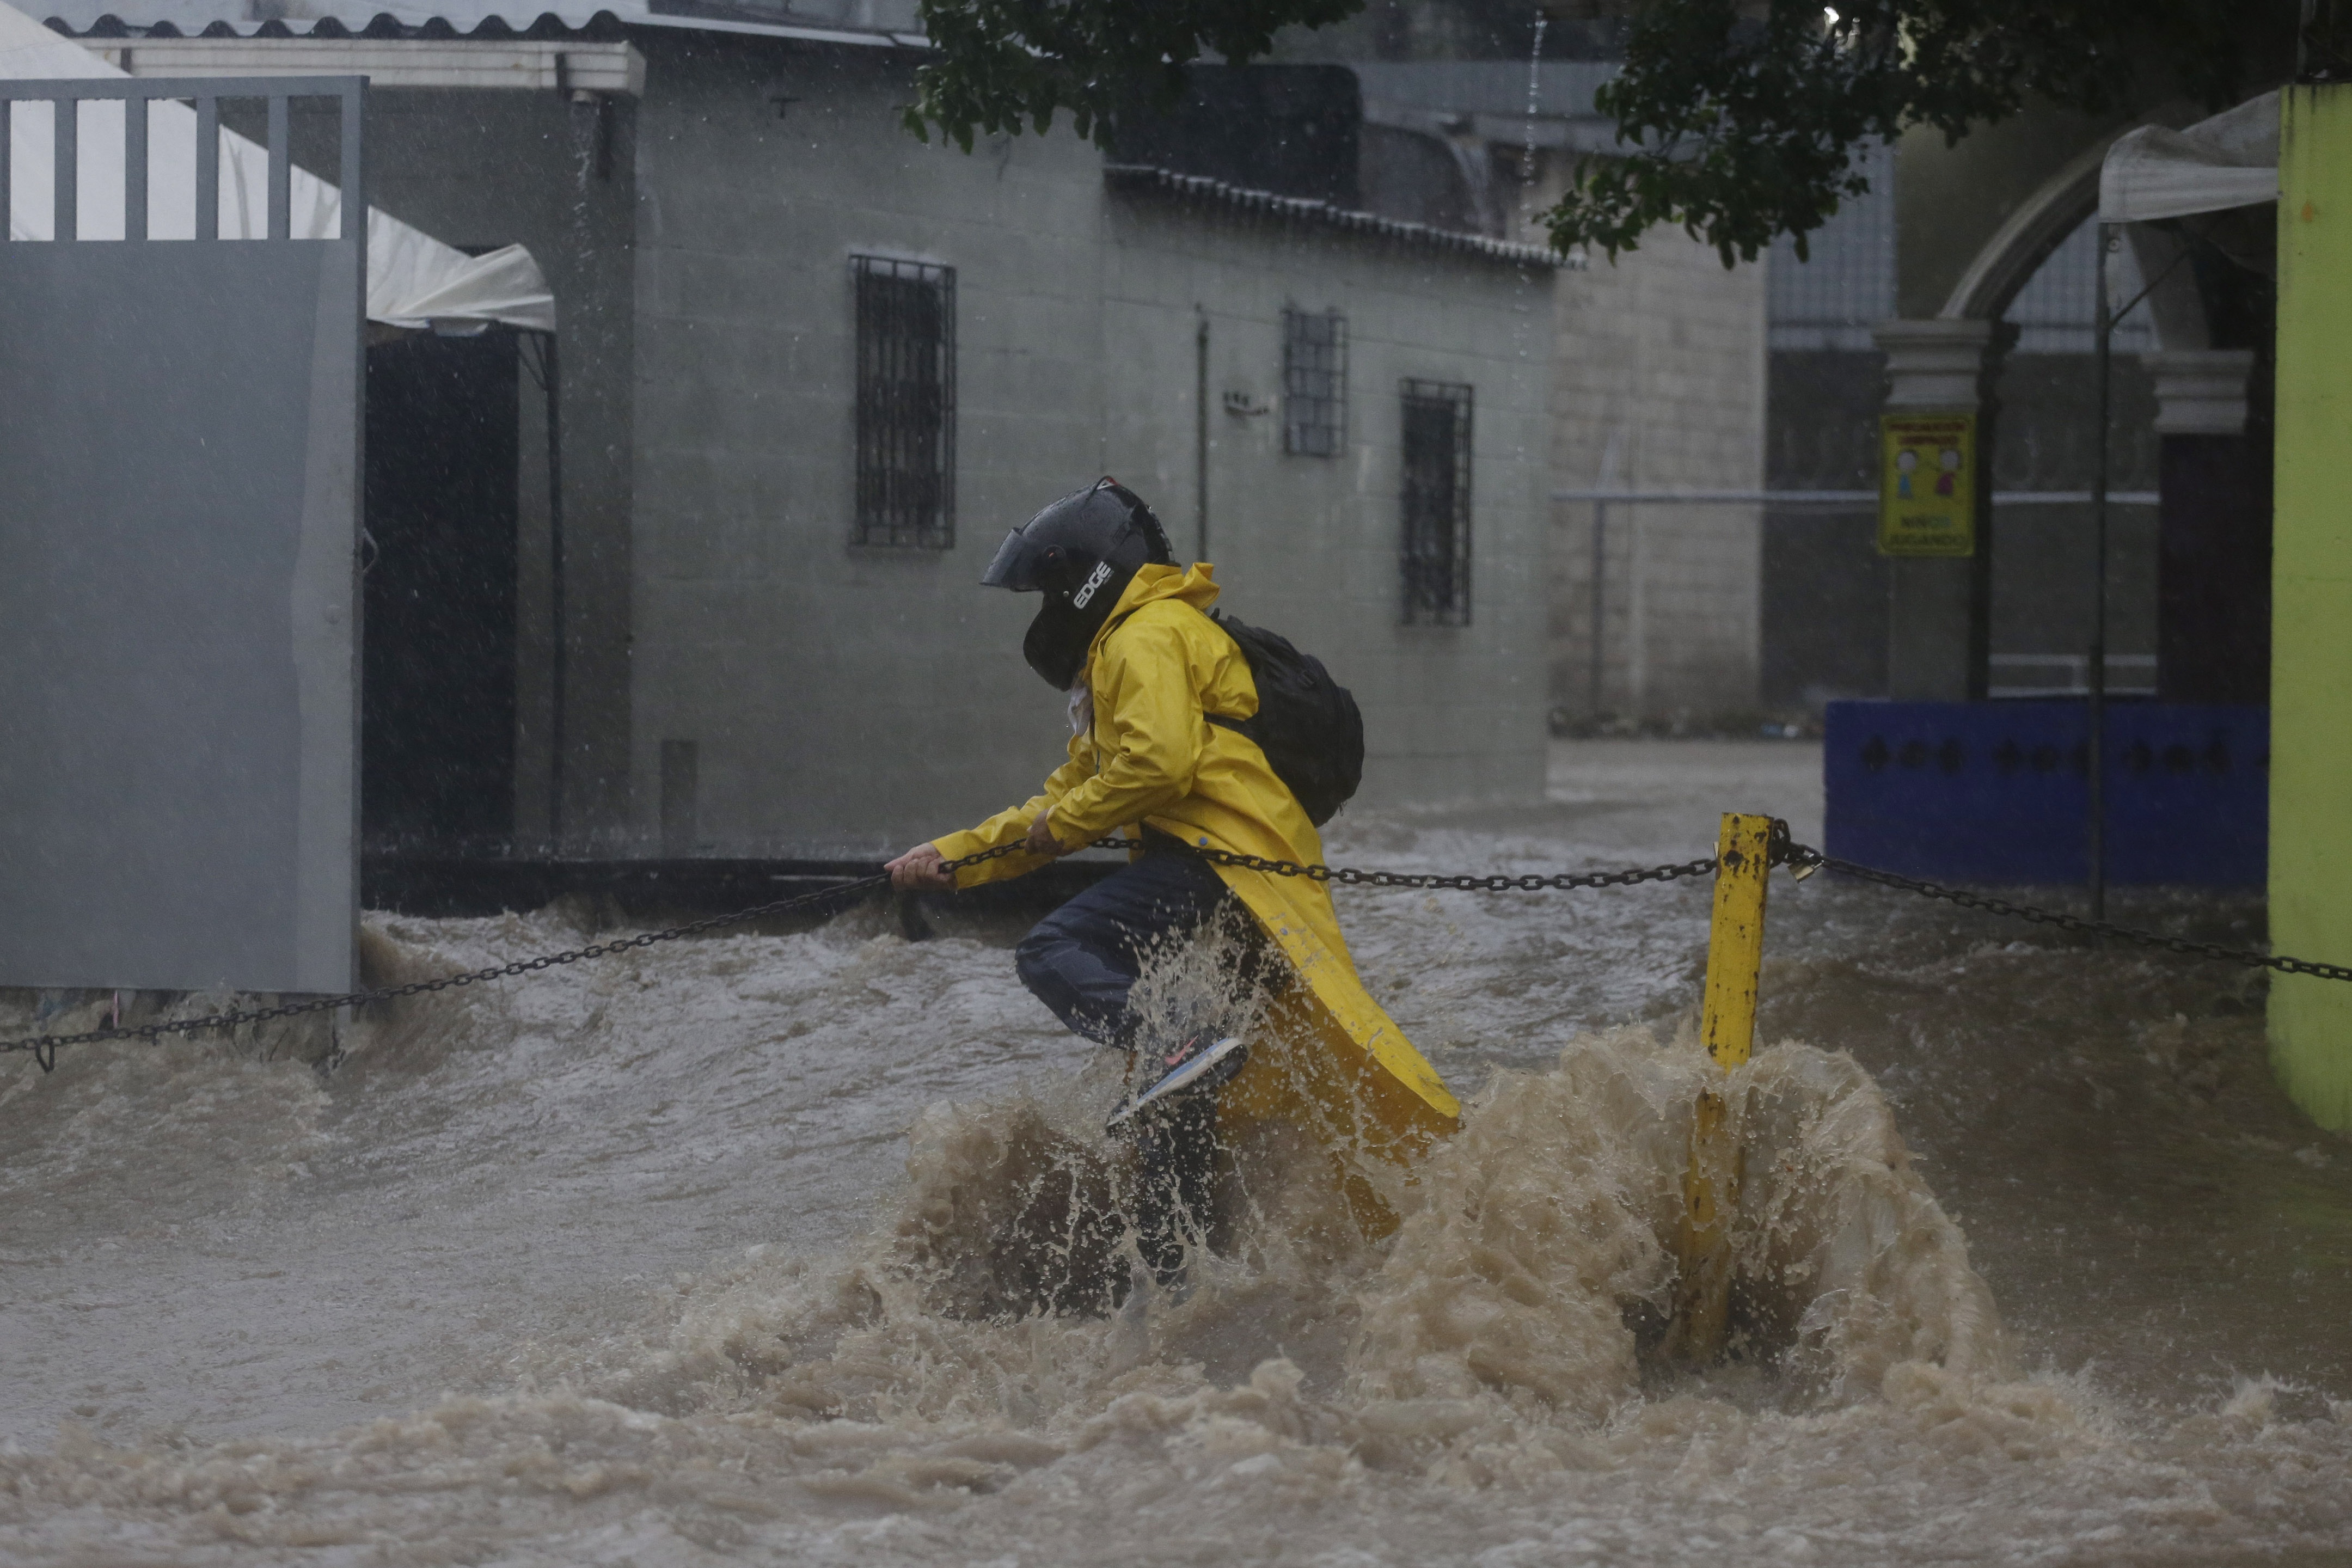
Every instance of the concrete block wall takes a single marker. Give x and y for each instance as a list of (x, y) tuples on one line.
[(843, 701), (838, 698), (1658, 385), (1309, 545)]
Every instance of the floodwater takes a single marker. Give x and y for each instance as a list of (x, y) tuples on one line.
[(718, 1253)]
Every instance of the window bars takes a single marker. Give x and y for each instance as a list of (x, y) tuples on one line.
[(1314, 382), (906, 403), (1436, 503)]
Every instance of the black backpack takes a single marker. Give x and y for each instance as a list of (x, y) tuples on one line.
[(1307, 723)]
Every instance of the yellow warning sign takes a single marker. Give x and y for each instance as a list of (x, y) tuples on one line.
[(1927, 484)]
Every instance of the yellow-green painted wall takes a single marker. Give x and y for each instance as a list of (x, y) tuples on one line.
[(2311, 633)]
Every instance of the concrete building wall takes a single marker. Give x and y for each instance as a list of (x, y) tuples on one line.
[(843, 701), (838, 699), (1659, 383), (1309, 545)]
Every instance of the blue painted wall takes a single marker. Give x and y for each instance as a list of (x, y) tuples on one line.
[(1999, 792)]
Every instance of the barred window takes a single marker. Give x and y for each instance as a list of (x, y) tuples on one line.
[(906, 403), (1314, 382), (1436, 503)]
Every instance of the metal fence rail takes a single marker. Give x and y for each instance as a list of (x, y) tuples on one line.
[(1824, 501)]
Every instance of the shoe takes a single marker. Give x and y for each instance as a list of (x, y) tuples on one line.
[(1198, 1062)]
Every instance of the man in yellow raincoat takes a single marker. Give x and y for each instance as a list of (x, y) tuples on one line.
[(1156, 688)]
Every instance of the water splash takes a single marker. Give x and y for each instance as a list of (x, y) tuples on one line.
[(922, 1342)]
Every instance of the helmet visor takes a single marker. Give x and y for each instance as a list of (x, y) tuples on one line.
[(1014, 566)]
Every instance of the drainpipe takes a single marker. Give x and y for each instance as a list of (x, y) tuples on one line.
[(1201, 436), (557, 634)]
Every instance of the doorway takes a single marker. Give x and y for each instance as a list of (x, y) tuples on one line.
[(438, 666)]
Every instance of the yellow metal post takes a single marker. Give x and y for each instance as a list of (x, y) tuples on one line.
[(1734, 952)]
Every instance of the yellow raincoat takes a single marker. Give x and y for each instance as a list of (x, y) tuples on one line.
[(1337, 1067)]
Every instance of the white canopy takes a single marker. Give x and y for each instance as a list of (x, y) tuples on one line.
[(2229, 161), (414, 280)]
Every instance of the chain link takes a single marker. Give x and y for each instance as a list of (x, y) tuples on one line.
[(1348, 876), (1803, 859), (44, 1048), (1807, 859)]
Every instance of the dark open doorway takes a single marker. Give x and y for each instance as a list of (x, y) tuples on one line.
[(437, 672)]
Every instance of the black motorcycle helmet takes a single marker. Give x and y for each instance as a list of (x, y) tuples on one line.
[(1080, 553)]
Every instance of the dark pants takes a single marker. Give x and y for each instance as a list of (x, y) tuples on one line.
[(1081, 960)]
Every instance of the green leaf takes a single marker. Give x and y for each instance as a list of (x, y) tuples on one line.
[(1004, 63), (1739, 120)]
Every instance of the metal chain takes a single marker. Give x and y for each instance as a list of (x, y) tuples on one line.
[(1349, 876), (1808, 859), (44, 1048), (1803, 859)]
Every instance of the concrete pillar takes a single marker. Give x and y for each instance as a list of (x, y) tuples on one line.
[(2311, 586), (2213, 590), (1940, 610), (2201, 392)]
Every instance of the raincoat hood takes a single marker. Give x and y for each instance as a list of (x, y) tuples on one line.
[(1195, 585)]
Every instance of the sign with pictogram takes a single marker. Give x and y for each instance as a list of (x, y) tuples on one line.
[(1927, 484)]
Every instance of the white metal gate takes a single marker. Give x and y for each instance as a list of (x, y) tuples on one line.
[(179, 446)]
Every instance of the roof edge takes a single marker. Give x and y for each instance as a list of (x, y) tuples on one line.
[(604, 23), (801, 33), (1149, 179)]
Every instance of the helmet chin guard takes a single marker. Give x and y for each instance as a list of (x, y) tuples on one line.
[(1080, 553), (1056, 645)]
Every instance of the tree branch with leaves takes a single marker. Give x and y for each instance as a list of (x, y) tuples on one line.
[(1742, 122), (1738, 119), (1007, 65)]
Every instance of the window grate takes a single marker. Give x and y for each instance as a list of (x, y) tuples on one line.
[(1314, 382), (1436, 503), (906, 403)]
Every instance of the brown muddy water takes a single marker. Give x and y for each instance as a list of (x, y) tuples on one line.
[(712, 1254)]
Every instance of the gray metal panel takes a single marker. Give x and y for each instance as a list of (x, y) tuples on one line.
[(178, 513)]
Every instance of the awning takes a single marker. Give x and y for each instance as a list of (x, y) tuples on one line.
[(2229, 161), (413, 279)]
